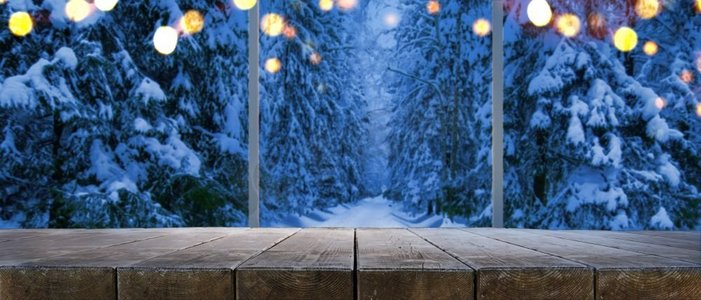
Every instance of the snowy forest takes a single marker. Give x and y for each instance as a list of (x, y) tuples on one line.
[(372, 113)]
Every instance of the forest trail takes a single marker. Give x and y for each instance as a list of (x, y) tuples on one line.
[(376, 212)]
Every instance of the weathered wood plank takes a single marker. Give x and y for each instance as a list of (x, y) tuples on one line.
[(200, 272), (679, 239), (311, 264), (619, 241), (506, 271), (620, 274), (91, 274), (397, 264)]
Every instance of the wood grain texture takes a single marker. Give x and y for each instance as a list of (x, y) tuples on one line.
[(506, 271), (671, 276), (619, 241), (57, 283), (311, 264), (201, 272), (679, 239), (396, 263)]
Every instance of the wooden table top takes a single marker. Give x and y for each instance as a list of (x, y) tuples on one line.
[(347, 263)]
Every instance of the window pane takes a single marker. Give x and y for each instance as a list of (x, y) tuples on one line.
[(101, 130), (602, 115), (376, 113)]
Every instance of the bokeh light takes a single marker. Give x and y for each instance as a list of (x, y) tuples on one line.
[(482, 27), (698, 109), (596, 25), (660, 103), (77, 10), (698, 6), (650, 48), (105, 5), (698, 63), (245, 4), (165, 39), (539, 12), (647, 9), (568, 25), (289, 31), (433, 7), (347, 4), (686, 76), (391, 19), (192, 22), (326, 5), (273, 65), (3, 1), (315, 58), (625, 39), (20, 23), (272, 24)]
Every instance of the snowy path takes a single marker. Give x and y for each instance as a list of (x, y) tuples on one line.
[(370, 212)]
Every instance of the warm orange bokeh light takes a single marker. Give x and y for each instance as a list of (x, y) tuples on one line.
[(326, 5), (698, 6), (650, 48), (539, 12), (482, 27), (77, 10), (105, 5), (660, 103), (597, 25), (686, 76), (272, 24), (192, 22), (698, 109), (433, 7), (625, 39), (647, 9), (568, 25), (289, 31), (273, 65), (315, 58), (347, 4), (20, 23), (245, 4)]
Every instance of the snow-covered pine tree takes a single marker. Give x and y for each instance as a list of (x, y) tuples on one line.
[(441, 122), (312, 125), (614, 150), (95, 135)]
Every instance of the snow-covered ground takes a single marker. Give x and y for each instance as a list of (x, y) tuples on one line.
[(369, 212)]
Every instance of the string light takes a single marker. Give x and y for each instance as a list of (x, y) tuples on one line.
[(289, 31), (273, 65), (539, 12), (347, 4), (272, 24), (597, 25), (77, 10), (568, 25), (625, 39), (481, 27), (660, 103), (315, 58), (245, 4), (326, 5), (686, 76), (650, 48), (192, 22), (433, 7), (21, 23), (165, 39), (647, 9), (105, 5)]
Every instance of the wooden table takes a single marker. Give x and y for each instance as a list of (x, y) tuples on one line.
[(291, 263)]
